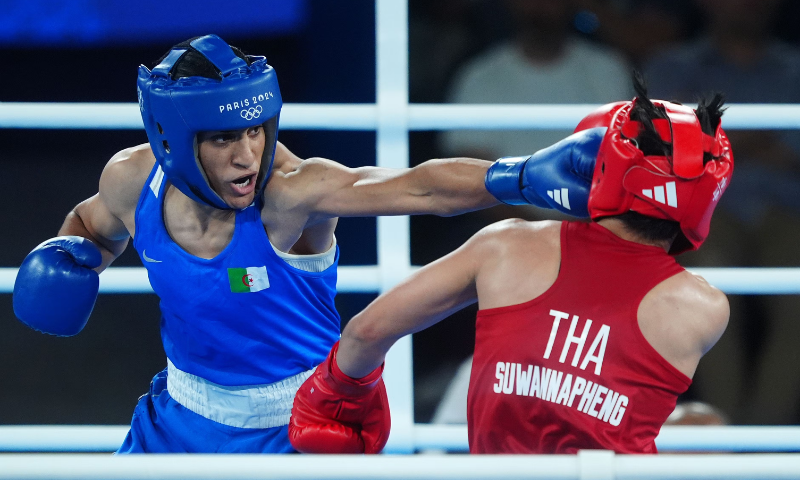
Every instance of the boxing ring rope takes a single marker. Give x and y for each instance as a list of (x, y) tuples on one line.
[(364, 279), (296, 116), (367, 279), (392, 117), (586, 465), (450, 438)]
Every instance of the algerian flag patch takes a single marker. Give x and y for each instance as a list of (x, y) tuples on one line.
[(250, 279)]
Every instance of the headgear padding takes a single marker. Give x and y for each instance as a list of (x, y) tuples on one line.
[(679, 187), (174, 111)]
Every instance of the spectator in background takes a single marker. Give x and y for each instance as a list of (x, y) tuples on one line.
[(621, 23), (441, 36), (696, 413), (452, 409), (543, 62), (738, 55)]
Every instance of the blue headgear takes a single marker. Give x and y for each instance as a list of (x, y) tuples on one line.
[(174, 111)]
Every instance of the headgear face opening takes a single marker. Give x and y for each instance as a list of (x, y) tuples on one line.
[(680, 187), (174, 111)]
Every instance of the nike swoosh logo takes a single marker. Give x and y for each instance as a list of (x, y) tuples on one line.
[(148, 259)]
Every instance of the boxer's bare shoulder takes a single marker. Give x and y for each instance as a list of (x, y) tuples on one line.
[(123, 179), (281, 193), (285, 161), (682, 318), (514, 236), (519, 260)]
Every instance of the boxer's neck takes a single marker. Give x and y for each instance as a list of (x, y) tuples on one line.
[(201, 230), (618, 228)]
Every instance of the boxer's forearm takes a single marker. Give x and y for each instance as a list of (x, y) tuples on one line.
[(358, 357), (110, 250), (406, 309), (426, 297), (453, 186), (369, 335)]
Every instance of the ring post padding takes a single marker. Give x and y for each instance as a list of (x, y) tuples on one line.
[(394, 250)]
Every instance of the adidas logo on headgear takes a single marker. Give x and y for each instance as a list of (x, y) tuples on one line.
[(560, 196), (657, 194)]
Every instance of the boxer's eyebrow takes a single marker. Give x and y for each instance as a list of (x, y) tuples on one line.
[(226, 134)]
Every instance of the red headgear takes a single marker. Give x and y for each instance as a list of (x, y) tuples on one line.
[(679, 188)]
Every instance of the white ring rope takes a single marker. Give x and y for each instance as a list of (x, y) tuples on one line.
[(125, 116), (586, 465), (451, 438), (367, 279)]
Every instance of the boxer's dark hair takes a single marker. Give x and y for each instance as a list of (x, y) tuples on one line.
[(195, 64), (644, 111), (650, 228), (709, 113)]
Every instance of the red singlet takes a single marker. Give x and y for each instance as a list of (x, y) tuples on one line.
[(571, 369)]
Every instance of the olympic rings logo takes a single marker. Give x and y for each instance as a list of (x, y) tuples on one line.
[(251, 113)]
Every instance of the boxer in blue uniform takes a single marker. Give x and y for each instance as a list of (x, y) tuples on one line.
[(237, 235)]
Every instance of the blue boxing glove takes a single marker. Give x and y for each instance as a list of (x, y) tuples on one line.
[(559, 176), (56, 288)]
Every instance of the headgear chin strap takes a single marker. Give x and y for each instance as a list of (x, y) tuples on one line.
[(679, 187), (174, 111)]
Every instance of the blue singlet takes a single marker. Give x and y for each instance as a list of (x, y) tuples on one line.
[(245, 317)]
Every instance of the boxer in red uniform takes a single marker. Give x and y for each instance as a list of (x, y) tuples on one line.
[(587, 332)]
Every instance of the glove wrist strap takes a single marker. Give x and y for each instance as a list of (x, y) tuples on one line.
[(503, 180)]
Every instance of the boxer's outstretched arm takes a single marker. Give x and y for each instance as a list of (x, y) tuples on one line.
[(442, 187), (555, 177), (430, 295)]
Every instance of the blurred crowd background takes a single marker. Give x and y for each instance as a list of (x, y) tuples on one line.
[(460, 51)]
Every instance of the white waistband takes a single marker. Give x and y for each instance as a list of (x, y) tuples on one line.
[(250, 406)]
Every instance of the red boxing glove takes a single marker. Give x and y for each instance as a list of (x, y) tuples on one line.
[(334, 413)]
